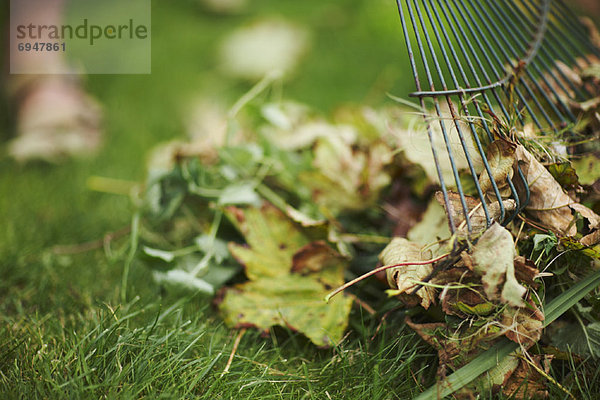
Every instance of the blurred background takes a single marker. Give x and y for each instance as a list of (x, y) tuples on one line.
[(205, 55)]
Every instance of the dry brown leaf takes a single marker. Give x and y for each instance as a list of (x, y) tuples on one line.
[(548, 203), (526, 271), (592, 217), (476, 212), (523, 325), (526, 382), (493, 259), (501, 157), (591, 239), (403, 278)]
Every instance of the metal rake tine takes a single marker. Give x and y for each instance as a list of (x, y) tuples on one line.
[(437, 107), (548, 51), (422, 103), (534, 63), (452, 111), (517, 37), (477, 34), (491, 22)]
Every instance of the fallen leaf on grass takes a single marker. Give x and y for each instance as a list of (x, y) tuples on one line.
[(404, 278), (289, 278), (455, 348), (523, 325), (493, 259), (294, 301), (526, 382)]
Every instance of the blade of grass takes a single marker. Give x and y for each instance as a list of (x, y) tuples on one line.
[(491, 357)]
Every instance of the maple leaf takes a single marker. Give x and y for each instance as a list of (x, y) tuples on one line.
[(289, 276)]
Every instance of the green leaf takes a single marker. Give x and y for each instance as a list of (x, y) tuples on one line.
[(582, 340), (289, 278), (587, 169), (272, 239), (544, 242), (564, 174), (291, 300), (492, 357)]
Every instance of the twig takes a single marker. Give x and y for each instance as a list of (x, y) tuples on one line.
[(376, 270), (535, 225), (235, 346), (364, 305)]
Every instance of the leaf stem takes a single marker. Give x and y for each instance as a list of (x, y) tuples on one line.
[(376, 270)]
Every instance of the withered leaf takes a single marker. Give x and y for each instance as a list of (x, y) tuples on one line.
[(525, 270), (523, 325), (493, 258), (347, 178), (592, 218), (403, 278), (525, 382), (455, 347), (501, 157), (548, 203), (476, 212)]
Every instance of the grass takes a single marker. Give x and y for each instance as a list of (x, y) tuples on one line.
[(64, 332)]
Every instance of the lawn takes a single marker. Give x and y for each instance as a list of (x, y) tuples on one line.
[(65, 331)]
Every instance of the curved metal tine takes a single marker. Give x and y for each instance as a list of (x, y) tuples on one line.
[(515, 195), (517, 36), (478, 34), (422, 102), (470, 122), (515, 31), (507, 44), (437, 109), (551, 54), (566, 32), (466, 40), (576, 27), (526, 185)]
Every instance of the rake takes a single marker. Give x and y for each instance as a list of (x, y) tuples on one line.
[(490, 64)]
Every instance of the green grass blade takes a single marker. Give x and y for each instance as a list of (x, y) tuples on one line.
[(491, 357), (568, 299)]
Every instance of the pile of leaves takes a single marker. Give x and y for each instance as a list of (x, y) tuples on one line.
[(273, 213)]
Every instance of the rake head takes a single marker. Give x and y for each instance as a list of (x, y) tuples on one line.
[(493, 69)]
